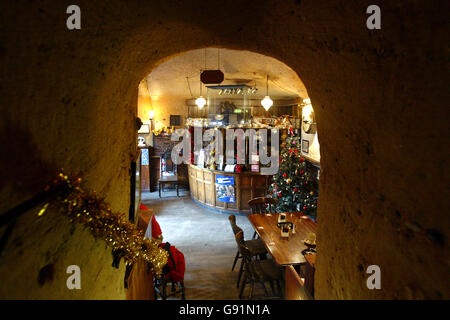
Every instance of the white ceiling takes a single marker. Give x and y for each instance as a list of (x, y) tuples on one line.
[(239, 67)]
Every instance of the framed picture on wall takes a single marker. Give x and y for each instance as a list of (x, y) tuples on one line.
[(305, 146), (145, 128), (175, 120)]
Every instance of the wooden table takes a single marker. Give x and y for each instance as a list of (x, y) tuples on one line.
[(285, 251), (168, 180)]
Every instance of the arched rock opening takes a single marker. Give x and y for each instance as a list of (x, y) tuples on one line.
[(69, 97)]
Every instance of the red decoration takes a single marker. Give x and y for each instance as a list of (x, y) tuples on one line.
[(302, 172), (305, 208), (295, 189), (279, 195), (284, 175), (301, 159)]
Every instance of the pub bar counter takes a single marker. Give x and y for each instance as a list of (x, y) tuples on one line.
[(247, 185)]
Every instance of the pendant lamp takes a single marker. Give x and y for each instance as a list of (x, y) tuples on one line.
[(200, 101), (267, 102)]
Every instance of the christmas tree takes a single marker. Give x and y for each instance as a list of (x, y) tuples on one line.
[(295, 184)]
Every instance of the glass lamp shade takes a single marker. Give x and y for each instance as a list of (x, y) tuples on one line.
[(200, 102), (267, 102)]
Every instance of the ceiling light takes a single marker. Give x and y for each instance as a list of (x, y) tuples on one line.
[(267, 102), (307, 111), (200, 102)]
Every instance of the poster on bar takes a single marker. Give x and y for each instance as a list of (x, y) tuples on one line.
[(225, 189), (145, 158)]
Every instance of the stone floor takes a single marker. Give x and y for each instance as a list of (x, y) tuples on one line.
[(207, 242)]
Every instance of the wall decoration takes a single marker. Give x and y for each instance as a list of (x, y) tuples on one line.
[(145, 157), (175, 120), (145, 128), (305, 146), (88, 209), (308, 118)]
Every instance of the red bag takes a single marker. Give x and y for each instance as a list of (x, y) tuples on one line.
[(175, 266)]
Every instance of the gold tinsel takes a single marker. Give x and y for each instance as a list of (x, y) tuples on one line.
[(122, 236)]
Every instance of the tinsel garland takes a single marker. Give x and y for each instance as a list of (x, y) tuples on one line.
[(125, 239)]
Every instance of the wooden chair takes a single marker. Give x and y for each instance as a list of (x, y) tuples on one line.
[(258, 271), (179, 179), (262, 205), (160, 285), (160, 282), (182, 175), (256, 247)]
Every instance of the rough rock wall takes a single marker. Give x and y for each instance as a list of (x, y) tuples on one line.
[(69, 99)]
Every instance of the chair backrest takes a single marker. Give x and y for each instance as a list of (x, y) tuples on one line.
[(246, 255), (263, 205), (182, 171), (233, 224)]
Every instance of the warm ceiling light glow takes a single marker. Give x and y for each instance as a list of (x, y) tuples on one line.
[(306, 112), (151, 114), (267, 102), (200, 102), (307, 101)]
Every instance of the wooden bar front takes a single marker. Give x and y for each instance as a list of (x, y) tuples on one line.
[(248, 185)]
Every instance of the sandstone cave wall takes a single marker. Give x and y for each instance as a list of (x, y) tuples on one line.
[(68, 100)]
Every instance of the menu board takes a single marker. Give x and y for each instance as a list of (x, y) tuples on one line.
[(225, 189), (163, 145)]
